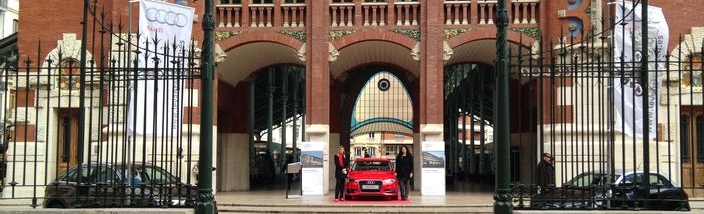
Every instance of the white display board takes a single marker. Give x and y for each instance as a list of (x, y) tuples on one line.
[(432, 162), (312, 168)]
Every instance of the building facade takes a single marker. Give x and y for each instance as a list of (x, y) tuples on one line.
[(338, 46)]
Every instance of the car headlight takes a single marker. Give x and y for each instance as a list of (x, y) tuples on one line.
[(350, 179), (389, 181)]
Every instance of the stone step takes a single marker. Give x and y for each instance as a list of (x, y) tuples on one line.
[(344, 208)]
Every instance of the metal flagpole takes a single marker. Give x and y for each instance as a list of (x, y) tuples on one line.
[(129, 63), (82, 91)]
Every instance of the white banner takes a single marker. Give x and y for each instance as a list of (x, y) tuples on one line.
[(629, 88), (158, 103), (432, 168)]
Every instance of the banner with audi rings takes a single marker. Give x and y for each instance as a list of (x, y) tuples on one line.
[(164, 40)]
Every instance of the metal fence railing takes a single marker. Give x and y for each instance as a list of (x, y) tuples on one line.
[(588, 106), (73, 134)]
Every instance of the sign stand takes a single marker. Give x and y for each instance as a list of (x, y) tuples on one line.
[(293, 170)]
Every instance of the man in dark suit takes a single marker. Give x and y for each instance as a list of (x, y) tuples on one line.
[(546, 171)]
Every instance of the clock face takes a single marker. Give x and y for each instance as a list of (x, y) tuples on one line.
[(69, 78)]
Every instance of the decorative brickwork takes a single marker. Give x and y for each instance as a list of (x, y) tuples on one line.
[(222, 35), (297, 34), (336, 34), (410, 33), (532, 32), (449, 33)]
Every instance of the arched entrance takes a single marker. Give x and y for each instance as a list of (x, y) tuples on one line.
[(269, 105), (469, 84), (381, 118), (378, 112), (469, 122)]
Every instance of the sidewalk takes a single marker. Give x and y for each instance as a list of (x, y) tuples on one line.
[(453, 202), (274, 201)]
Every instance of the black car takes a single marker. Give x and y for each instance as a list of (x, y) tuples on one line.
[(622, 190), (118, 185)]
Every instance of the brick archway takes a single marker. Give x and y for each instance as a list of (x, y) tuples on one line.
[(374, 35), (480, 34), (259, 36)]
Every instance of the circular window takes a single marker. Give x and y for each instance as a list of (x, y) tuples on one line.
[(384, 84)]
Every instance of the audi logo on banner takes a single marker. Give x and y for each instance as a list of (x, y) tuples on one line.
[(166, 17)]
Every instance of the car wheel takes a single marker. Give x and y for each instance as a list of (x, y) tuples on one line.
[(55, 204)]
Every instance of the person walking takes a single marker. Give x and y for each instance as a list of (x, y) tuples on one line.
[(404, 171), (342, 165), (546, 172)]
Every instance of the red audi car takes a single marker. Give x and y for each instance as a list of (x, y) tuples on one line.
[(372, 177)]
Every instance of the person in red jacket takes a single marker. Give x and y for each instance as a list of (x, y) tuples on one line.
[(342, 165)]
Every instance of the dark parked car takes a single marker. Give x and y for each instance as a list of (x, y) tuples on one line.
[(372, 177), (107, 185), (595, 190)]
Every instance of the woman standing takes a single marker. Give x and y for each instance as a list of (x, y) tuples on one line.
[(342, 163), (404, 171)]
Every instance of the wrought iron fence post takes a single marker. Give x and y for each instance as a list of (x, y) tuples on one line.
[(502, 195), (205, 201), (646, 99)]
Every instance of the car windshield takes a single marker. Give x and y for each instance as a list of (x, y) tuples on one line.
[(589, 179), (112, 174), (92, 174), (372, 165), (638, 178), (149, 175), (157, 175)]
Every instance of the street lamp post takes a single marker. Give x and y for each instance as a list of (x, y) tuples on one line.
[(205, 202), (502, 194)]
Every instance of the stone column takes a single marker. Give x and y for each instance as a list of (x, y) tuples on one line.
[(318, 81), (431, 82)]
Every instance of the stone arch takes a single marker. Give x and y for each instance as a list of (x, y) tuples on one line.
[(259, 36), (66, 48), (689, 44), (378, 35)]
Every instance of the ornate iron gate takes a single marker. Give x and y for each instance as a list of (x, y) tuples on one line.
[(71, 137), (580, 95)]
